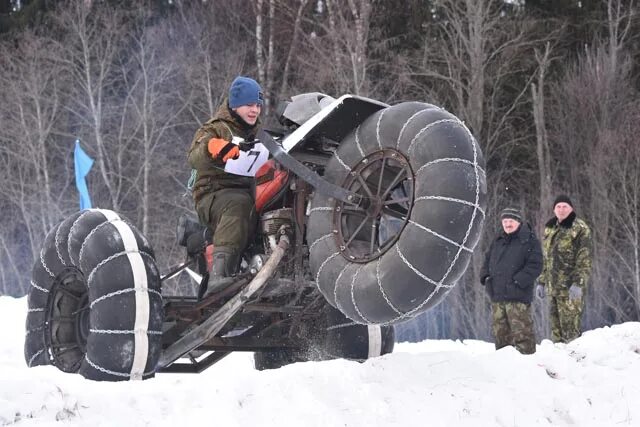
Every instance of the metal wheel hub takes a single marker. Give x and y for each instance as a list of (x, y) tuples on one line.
[(373, 206), (366, 231), (68, 322), (82, 321)]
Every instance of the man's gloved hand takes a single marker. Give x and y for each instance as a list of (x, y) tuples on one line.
[(247, 145), (540, 292), (575, 292), (221, 149)]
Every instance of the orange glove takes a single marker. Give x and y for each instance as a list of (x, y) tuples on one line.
[(221, 149)]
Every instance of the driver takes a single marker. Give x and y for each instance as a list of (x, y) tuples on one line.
[(224, 200)]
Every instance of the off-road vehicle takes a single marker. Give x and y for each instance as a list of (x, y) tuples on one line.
[(368, 216)]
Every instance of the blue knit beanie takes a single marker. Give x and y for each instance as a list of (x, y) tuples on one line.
[(244, 91)]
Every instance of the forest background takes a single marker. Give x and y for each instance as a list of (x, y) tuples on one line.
[(548, 87)]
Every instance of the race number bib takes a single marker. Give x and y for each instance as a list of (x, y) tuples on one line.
[(249, 161)]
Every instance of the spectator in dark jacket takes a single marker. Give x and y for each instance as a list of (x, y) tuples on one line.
[(511, 266)]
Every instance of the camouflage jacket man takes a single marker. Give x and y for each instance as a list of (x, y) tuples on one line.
[(210, 173), (223, 190), (567, 255)]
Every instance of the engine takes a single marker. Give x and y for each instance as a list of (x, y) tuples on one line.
[(274, 223)]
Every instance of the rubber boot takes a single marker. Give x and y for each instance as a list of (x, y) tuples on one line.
[(225, 265)]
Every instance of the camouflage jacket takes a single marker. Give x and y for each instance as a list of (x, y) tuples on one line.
[(210, 174), (567, 255)]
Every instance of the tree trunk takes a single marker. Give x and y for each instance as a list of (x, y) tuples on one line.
[(259, 52), (292, 46), (542, 138)]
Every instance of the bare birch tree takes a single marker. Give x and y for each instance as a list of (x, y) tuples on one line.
[(480, 51), (35, 170), (293, 46), (210, 56), (543, 152), (335, 56), (93, 39), (623, 243), (265, 49), (150, 111)]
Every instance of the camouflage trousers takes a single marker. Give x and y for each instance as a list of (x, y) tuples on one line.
[(231, 216), (565, 318), (513, 325)]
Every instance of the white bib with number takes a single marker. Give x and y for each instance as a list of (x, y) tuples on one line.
[(249, 161)]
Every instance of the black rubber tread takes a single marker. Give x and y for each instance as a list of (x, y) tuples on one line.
[(333, 336), (89, 241), (447, 164), (275, 359), (50, 262), (345, 339)]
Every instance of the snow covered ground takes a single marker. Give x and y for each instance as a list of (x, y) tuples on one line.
[(593, 381)]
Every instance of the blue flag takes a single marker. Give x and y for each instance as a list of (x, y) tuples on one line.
[(83, 165)]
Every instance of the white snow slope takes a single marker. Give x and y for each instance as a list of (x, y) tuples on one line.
[(594, 381)]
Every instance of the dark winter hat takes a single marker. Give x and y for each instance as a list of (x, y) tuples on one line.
[(512, 213), (244, 91), (563, 198)]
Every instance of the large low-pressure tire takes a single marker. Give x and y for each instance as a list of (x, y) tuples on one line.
[(421, 175), (275, 359), (333, 336), (95, 305), (345, 339)]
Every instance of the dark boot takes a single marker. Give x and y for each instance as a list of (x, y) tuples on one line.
[(225, 265)]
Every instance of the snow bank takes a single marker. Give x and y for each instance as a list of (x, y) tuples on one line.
[(590, 382)]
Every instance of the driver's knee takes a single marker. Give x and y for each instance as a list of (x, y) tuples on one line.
[(235, 220)]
